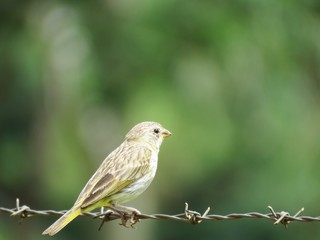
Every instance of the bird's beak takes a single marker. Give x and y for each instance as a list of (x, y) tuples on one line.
[(166, 133)]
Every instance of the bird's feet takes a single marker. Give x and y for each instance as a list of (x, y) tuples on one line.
[(123, 211)]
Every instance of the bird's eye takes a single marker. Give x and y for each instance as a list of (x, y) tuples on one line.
[(156, 130)]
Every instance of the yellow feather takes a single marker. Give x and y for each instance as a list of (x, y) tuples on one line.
[(62, 221)]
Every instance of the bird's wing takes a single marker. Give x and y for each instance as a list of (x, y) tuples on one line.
[(121, 168)]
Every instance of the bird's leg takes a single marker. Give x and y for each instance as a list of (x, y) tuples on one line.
[(126, 209), (123, 211), (134, 213), (122, 216)]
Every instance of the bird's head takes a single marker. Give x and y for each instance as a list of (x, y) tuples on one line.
[(150, 132)]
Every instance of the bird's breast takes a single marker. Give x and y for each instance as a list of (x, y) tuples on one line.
[(140, 185)]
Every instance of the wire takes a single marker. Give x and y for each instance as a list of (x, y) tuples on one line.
[(190, 216)]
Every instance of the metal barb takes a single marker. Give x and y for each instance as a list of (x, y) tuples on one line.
[(193, 216), (273, 212), (298, 213), (280, 217), (21, 211), (106, 217), (283, 217)]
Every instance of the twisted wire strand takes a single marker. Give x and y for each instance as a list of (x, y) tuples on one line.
[(190, 216)]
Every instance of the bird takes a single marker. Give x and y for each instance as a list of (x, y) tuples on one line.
[(123, 175)]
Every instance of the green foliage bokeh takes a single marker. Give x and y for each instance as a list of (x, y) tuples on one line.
[(237, 82)]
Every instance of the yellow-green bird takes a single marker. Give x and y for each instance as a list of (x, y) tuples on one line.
[(123, 175)]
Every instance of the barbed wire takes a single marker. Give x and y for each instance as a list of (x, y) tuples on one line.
[(188, 215)]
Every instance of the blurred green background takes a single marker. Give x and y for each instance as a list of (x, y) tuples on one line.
[(237, 82)]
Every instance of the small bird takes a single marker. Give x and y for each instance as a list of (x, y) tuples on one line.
[(123, 175)]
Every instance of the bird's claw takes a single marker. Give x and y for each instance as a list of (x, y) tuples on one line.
[(132, 220), (123, 218)]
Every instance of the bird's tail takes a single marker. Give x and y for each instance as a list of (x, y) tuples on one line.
[(62, 221)]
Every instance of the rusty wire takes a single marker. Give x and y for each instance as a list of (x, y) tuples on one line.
[(188, 215)]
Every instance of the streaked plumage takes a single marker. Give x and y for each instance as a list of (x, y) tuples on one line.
[(123, 175)]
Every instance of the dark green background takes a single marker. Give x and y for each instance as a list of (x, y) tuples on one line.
[(237, 82)]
